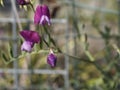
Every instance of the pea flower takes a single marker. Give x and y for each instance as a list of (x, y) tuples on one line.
[(51, 59), (23, 2), (42, 15), (31, 37), (27, 46)]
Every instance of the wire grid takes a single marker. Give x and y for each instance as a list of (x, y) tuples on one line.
[(15, 71)]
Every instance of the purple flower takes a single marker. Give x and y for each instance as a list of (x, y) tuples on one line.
[(27, 46), (42, 15), (51, 59), (31, 37), (23, 2)]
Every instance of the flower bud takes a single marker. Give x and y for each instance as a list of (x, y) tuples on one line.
[(51, 59), (42, 15)]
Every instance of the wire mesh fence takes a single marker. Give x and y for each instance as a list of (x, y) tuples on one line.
[(73, 23)]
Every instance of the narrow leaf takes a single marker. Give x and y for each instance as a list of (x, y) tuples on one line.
[(11, 52), (41, 44), (4, 58), (116, 48), (89, 56), (1, 2)]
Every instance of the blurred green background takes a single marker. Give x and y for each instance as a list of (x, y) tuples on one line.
[(88, 33)]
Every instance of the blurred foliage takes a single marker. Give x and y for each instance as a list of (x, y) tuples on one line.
[(93, 48)]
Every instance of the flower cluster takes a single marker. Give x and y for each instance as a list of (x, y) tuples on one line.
[(41, 17)]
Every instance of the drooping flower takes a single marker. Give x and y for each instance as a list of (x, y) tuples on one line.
[(51, 59), (42, 15), (23, 2), (31, 37)]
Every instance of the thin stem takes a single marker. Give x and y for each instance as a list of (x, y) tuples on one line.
[(52, 40), (16, 15), (32, 7), (21, 56), (45, 42), (43, 37), (86, 60)]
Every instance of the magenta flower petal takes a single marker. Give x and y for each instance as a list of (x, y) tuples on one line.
[(52, 59), (22, 2), (42, 15), (31, 36), (38, 14), (45, 15), (45, 11), (44, 20), (27, 46)]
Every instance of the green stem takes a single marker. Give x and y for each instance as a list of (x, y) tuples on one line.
[(24, 55), (88, 61), (45, 42), (44, 39), (32, 7), (52, 40)]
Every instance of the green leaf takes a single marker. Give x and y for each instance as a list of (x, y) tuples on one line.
[(37, 48), (11, 52), (1, 2), (51, 39), (41, 44), (116, 48), (4, 57), (90, 56), (32, 1)]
